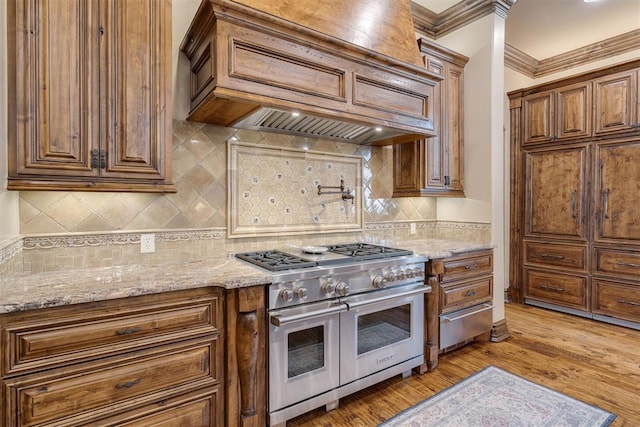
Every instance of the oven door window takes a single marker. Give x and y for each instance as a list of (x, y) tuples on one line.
[(305, 351), (383, 328)]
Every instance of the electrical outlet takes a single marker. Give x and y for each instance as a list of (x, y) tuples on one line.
[(412, 228), (147, 243)]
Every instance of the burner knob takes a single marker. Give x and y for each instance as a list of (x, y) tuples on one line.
[(329, 286), (379, 282), (342, 289), (286, 295), (418, 272), (391, 276), (402, 275), (301, 293)]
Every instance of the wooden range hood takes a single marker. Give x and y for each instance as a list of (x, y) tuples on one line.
[(343, 70)]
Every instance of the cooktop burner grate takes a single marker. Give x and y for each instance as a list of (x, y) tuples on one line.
[(363, 251), (275, 260)]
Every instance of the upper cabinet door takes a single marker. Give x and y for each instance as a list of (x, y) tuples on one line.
[(53, 87), (539, 113), (573, 119), (137, 75), (555, 193), (558, 115), (616, 103), (617, 192)]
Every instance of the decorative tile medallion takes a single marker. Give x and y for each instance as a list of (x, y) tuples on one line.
[(276, 191)]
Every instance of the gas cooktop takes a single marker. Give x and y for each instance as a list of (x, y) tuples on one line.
[(276, 260)]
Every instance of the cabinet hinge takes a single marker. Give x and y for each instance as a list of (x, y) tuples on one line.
[(98, 159)]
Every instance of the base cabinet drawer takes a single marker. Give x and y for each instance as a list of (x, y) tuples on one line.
[(617, 299), (466, 294), (201, 408), (467, 266), (555, 255), (562, 289), (617, 263), (72, 394)]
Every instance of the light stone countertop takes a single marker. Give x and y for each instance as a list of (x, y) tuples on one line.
[(51, 289)]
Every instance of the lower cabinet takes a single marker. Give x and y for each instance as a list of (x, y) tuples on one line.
[(149, 360), (459, 309)]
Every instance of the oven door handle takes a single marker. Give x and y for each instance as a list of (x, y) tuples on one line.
[(279, 320), (422, 289)]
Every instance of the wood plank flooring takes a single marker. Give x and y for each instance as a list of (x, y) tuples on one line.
[(592, 361)]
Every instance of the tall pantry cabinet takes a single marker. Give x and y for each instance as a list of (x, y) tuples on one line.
[(575, 195), (89, 95)]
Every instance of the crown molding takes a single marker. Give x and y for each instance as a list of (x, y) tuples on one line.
[(435, 25), (457, 16), (529, 66)]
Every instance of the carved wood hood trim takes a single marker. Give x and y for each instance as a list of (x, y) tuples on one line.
[(335, 63)]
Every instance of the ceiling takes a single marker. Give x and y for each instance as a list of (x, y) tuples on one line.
[(545, 28)]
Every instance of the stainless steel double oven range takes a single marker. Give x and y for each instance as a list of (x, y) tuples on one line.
[(339, 321)]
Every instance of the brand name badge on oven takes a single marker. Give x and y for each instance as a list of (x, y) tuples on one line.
[(386, 359)]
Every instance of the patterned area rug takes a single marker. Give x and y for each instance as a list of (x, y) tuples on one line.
[(496, 398)]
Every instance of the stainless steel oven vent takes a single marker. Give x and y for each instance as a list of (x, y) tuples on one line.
[(271, 120)]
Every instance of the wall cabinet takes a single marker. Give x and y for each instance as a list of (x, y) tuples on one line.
[(575, 234), (557, 115), (434, 166), (139, 361), (89, 95)]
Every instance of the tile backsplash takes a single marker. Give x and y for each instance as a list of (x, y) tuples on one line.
[(200, 174), (72, 230)]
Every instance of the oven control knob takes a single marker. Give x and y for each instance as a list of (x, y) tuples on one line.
[(379, 282), (391, 277), (402, 275), (342, 289), (286, 295), (301, 293), (418, 272), (329, 286)]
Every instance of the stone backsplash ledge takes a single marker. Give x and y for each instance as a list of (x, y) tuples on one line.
[(71, 251)]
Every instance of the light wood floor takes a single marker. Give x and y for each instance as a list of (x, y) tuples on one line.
[(592, 361)]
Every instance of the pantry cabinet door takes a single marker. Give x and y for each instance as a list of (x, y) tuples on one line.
[(136, 76), (555, 193), (615, 102), (53, 87), (618, 191)]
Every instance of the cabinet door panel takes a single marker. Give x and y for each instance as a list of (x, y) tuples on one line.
[(538, 117), (56, 87), (615, 102), (574, 111), (138, 38), (454, 116), (555, 193), (617, 183)]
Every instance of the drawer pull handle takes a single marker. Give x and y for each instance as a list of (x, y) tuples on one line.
[(552, 288), (629, 264), (552, 256), (471, 266), (128, 384), (128, 331), (469, 293), (633, 303)]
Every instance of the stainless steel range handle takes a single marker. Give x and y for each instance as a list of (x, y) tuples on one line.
[(467, 314), (280, 320), (387, 296)]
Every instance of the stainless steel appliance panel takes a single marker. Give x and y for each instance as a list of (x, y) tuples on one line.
[(381, 329), (303, 352), (465, 324)]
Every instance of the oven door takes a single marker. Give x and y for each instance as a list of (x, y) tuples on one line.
[(381, 329), (303, 352)]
